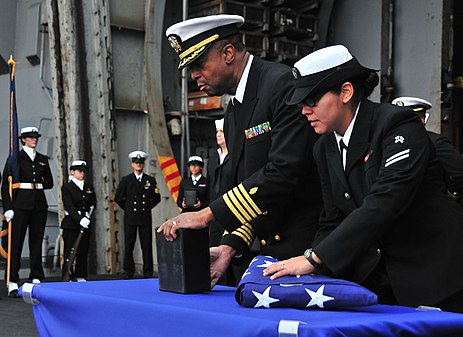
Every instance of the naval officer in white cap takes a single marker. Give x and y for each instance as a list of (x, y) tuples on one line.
[(450, 159), (276, 193), (137, 194), (385, 202), (28, 210)]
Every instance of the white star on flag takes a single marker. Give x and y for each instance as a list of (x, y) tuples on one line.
[(246, 273), (266, 264), (264, 299), (317, 298)]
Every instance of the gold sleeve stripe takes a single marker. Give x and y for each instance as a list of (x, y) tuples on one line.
[(233, 209), (237, 204), (246, 238), (244, 203), (245, 231), (249, 199)]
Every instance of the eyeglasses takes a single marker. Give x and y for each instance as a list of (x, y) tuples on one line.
[(310, 101)]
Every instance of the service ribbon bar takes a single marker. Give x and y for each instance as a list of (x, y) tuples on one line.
[(257, 130)]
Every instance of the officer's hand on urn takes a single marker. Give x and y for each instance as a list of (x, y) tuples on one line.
[(84, 222), (294, 266), (195, 220), (9, 215), (198, 204)]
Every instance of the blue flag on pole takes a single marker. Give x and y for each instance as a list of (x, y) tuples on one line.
[(305, 291)]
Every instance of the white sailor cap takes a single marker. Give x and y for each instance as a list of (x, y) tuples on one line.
[(195, 160), (219, 123), (417, 104), (79, 165), (138, 156), (322, 70), (29, 131), (191, 38)]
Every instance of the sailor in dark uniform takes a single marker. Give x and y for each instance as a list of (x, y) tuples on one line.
[(137, 194), (450, 159), (196, 184), (29, 207), (78, 199), (220, 176), (387, 215), (276, 193)]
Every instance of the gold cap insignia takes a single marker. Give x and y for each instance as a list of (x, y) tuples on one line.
[(253, 190), (400, 103), (174, 44)]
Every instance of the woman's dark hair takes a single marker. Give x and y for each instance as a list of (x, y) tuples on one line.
[(363, 87)]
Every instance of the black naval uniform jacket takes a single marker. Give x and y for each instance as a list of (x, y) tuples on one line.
[(390, 203), (202, 188), (277, 191), (36, 172), (77, 203), (452, 163), (137, 199), (219, 176)]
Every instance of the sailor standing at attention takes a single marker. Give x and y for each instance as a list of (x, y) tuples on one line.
[(137, 194), (28, 210)]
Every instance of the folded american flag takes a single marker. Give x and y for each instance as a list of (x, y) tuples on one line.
[(305, 291)]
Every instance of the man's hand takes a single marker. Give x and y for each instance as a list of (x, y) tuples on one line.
[(195, 220), (220, 260)]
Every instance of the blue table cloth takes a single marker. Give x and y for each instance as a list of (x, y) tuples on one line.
[(139, 308)]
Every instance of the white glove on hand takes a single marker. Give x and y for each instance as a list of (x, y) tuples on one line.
[(9, 215), (84, 222)]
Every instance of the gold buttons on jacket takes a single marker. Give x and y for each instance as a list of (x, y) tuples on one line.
[(277, 238), (347, 196), (378, 251), (263, 242), (134, 209)]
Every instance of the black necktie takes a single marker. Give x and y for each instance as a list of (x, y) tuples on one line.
[(343, 152)]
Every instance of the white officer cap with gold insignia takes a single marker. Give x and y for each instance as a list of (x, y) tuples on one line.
[(418, 105), (191, 38), (322, 70), (29, 131), (219, 123), (197, 160), (138, 156), (79, 165)]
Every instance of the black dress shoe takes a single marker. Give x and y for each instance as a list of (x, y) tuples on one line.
[(128, 276), (13, 294)]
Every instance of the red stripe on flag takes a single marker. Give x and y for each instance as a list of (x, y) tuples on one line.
[(167, 163), (172, 176)]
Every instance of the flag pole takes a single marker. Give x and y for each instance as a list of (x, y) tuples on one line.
[(10, 178)]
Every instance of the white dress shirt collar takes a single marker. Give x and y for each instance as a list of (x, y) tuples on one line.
[(239, 95), (79, 183), (138, 177), (30, 152), (348, 133)]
